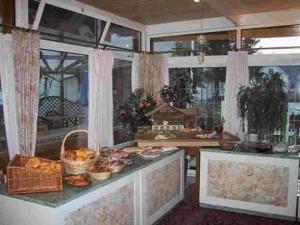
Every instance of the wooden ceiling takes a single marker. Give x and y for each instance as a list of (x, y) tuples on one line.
[(163, 11)]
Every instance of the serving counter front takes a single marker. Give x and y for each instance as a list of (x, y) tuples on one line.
[(259, 184), (140, 194)]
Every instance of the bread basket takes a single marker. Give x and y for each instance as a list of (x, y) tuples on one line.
[(78, 167)]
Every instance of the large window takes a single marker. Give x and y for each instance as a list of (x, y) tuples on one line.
[(123, 37), (62, 25), (63, 104), (32, 10), (290, 128), (272, 40), (217, 43), (207, 85), (3, 147), (7, 14), (121, 94)]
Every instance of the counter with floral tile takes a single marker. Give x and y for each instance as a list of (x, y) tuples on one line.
[(140, 194), (264, 184)]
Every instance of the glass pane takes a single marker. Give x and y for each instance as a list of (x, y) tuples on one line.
[(33, 6), (4, 158), (218, 43), (123, 37), (290, 129), (63, 104), (66, 26), (7, 15), (3, 147), (121, 94), (274, 40), (207, 85)]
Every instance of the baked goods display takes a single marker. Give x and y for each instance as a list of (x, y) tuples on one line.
[(83, 154), (77, 181), (78, 161), (40, 165)]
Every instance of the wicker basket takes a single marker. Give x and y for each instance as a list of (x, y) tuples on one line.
[(21, 180), (100, 175), (78, 167)]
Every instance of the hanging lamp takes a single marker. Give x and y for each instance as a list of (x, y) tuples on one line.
[(201, 38)]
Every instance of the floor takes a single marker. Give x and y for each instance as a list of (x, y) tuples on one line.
[(188, 213)]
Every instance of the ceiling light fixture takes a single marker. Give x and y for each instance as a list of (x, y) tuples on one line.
[(197, 1), (201, 38)]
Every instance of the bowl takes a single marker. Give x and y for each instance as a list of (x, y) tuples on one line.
[(99, 173), (280, 147)]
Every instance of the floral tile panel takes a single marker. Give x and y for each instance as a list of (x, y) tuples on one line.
[(116, 208), (162, 185), (249, 182)]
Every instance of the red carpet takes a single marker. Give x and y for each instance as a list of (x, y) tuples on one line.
[(188, 213)]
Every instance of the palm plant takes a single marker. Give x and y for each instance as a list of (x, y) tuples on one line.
[(263, 104)]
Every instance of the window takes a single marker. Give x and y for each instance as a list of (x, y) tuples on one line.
[(63, 104), (123, 37), (7, 14), (62, 25), (272, 40), (207, 85), (3, 146), (290, 129), (121, 94), (217, 43), (32, 10)]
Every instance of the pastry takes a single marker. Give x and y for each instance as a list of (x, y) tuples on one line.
[(56, 167), (83, 154), (77, 180), (33, 163)]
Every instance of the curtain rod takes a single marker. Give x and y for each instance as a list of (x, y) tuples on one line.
[(101, 46), (17, 28)]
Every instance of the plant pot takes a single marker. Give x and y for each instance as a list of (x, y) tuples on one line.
[(253, 138)]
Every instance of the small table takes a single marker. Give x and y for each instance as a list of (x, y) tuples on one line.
[(190, 144)]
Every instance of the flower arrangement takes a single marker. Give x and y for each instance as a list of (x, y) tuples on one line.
[(135, 110)]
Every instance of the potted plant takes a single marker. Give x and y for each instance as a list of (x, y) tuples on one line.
[(263, 104), (180, 94)]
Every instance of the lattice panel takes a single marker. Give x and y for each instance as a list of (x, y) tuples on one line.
[(58, 105)]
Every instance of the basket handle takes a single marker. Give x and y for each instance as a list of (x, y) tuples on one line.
[(62, 148)]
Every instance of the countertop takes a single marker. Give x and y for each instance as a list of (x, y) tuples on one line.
[(56, 199), (285, 155)]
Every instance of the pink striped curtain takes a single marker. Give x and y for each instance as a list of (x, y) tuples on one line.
[(26, 75)]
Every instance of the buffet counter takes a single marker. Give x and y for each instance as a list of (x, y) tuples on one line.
[(140, 194), (254, 183)]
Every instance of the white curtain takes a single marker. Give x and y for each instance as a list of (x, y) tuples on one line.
[(8, 94), (237, 75), (149, 72), (101, 97)]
